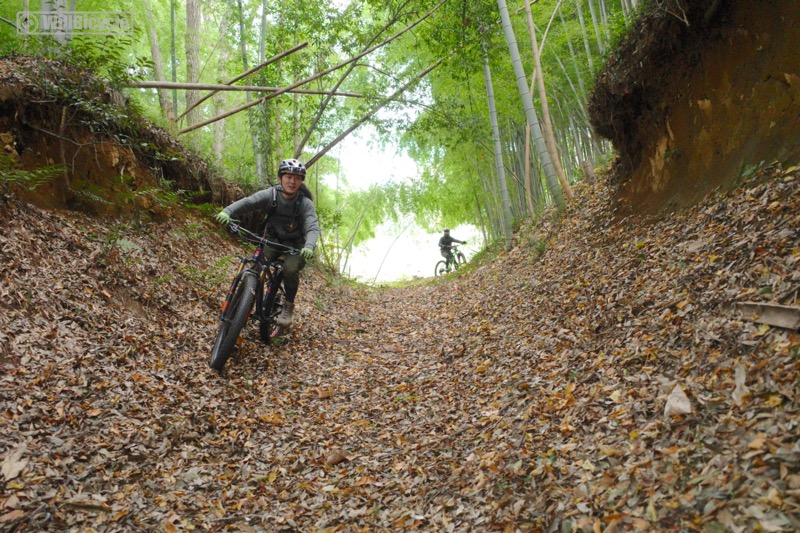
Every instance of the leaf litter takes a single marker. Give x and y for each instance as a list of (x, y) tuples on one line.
[(607, 384)]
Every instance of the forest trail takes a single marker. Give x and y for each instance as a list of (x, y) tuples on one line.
[(527, 394)]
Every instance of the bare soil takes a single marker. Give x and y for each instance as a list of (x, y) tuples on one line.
[(700, 95)]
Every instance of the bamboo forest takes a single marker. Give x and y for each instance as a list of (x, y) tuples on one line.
[(357, 266)]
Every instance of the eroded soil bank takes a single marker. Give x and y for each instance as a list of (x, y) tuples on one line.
[(701, 95)]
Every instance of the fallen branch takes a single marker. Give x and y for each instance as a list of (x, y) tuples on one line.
[(221, 87), (371, 113), (250, 71), (306, 80), (782, 316)]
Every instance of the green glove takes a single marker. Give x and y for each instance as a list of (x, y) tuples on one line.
[(223, 218), (307, 253)]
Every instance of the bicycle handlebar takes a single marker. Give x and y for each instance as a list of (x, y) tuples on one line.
[(252, 238)]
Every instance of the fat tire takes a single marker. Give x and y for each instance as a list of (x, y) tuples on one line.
[(461, 259), (273, 305), (441, 268), (233, 321)]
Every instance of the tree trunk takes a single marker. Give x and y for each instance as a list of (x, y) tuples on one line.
[(158, 64), (220, 97), (251, 118), (550, 140), (508, 232), (582, 87), (262, 46), (192, 55), (480, 212), (597, 35), (585, 38), (527, 169), (604, 20), (60, 9), (277, 103), (530, 112), (174, 55)]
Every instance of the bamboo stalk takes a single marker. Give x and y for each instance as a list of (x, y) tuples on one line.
[(374, 110), (306, 80), (219, 87), (250, 71)]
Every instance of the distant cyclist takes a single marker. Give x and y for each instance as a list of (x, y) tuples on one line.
[(446, 245), (291, 220)]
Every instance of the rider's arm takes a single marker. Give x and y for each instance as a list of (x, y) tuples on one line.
[(310, 223), (260, 200)]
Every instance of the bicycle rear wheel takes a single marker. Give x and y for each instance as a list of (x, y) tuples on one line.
[(273, 305), (233, 320), (441, 268)]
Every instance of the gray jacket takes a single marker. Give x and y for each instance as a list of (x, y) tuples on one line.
[(281, 223)]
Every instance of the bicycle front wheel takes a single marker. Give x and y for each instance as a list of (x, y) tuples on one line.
[(273, 305), (233, 320), (460, 259), (441, 268)]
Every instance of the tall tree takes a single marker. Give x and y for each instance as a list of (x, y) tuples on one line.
[(538, 75), (508, 232), (219, 99), (600, 45), (585, 36), (530, 112), (60, 8), (158, 63), (174, 53), (193, 17), (254, 132)]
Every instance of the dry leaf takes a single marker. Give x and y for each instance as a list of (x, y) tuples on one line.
[(740, 393), (336, 457), (677, 403), (13, 464), (758, 442), (322, 394), (12, 516)]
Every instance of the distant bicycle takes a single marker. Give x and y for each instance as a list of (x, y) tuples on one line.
[(256, 285), (453, 262)]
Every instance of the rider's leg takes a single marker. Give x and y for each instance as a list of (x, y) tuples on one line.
[(291, 281), (448, 256)]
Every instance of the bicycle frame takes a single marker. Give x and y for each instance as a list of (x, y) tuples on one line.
[(267, 274), (453, 256)]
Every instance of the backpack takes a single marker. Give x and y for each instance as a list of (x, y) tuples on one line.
[(303, 192)]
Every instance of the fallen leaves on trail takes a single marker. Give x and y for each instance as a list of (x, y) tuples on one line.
[(606, 384)]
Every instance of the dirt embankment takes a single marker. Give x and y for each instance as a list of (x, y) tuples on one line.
[(113, 161), (700, 95)]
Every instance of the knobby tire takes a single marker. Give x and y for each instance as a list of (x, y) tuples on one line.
[(441, 268), (270, 310), (461, 259), (233, 321)]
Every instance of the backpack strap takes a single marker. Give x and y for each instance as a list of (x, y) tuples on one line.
[(273, 207)]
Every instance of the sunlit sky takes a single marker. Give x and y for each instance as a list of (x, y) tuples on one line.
[(415, 252)]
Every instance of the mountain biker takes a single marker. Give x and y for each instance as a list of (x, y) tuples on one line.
[(291, 220), (446, 245)]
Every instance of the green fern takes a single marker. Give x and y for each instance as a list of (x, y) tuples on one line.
[(12, 175)]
